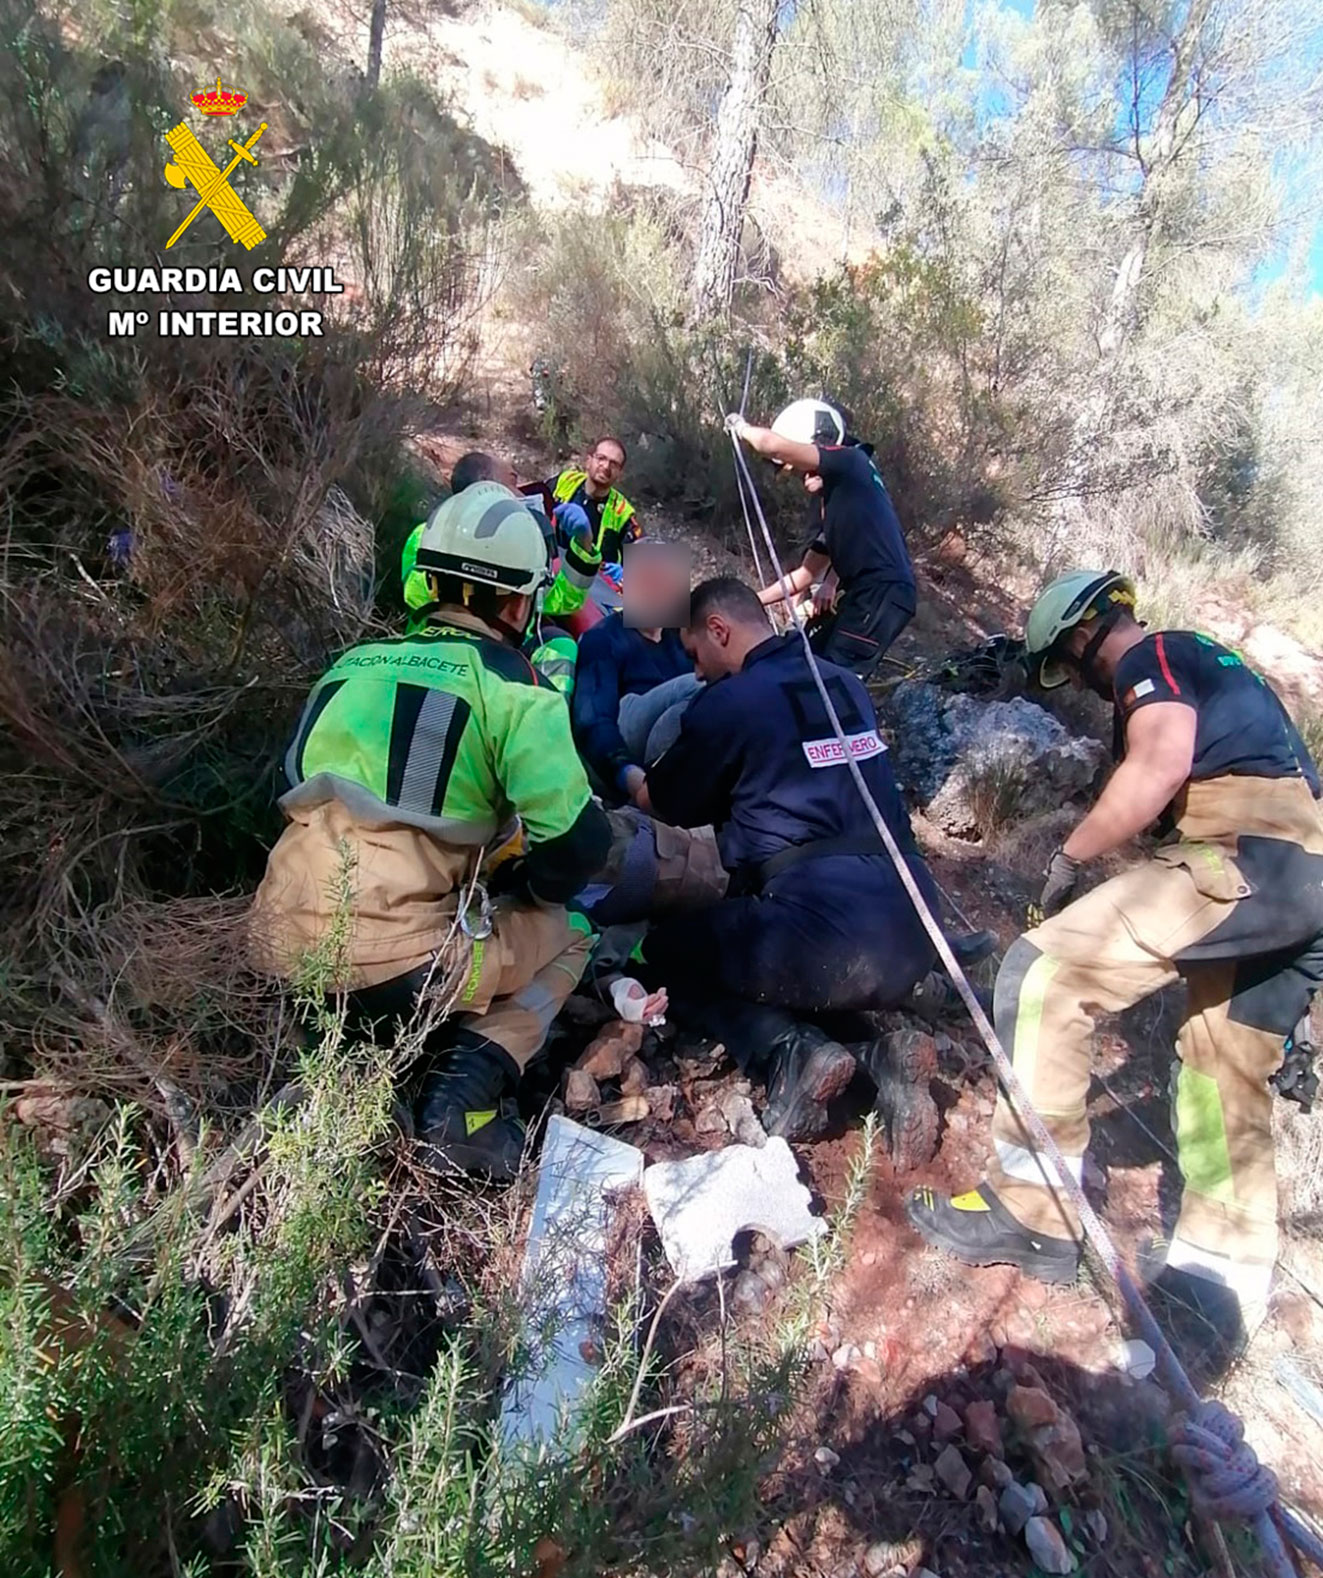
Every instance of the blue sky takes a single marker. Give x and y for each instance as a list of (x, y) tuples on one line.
[(1270, 271)]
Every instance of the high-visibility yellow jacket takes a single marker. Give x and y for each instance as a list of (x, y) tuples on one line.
[(618, 523)]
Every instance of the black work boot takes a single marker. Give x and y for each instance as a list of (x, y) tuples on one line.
[(806, 1070), (462, 1121), (902, 1066), (978, 1229)]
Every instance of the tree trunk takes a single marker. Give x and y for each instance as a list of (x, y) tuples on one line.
[(732, 158), (1166, 144), (376, 37), (1158, 156)]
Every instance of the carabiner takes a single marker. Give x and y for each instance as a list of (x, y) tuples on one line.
[(483, 928)]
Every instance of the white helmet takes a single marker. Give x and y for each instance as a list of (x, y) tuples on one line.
[(485, 534), (811, 422)]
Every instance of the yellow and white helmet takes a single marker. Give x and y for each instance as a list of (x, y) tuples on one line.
[(485, 535)]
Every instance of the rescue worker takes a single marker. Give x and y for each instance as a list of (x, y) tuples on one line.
[(817, 922), (612, 520), (412, 758), (1233, 906), (551, 652), (858, 553)]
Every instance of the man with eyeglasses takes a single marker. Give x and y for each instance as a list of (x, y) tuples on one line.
[(588, 507)]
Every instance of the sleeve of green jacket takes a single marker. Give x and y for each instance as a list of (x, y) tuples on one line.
[(412, 581), (576, 572), (569, 836)]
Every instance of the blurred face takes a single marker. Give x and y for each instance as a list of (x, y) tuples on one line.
[(709, 645), (605, 465), (506, 475), (656, 586)]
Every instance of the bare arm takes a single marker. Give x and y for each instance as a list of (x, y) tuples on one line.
[(814, 567), (1159, 757), (784, 451)]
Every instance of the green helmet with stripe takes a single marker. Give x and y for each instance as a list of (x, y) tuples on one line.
[(485, 536), (1073, 599)]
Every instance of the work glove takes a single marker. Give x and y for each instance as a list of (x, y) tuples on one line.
[(572, 522), (1061, 879), (614, 576), (734, 423)]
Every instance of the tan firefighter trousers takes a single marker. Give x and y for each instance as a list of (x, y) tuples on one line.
[(1235, 907)]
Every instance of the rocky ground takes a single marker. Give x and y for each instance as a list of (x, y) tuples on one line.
[(974, 1421)]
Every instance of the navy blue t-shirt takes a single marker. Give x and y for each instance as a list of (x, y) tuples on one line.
[(859, 530), (1242, 728)]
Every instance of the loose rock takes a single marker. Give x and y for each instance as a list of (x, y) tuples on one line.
[(993, 1472), (634, 1079), (1016, 1506), (986, 1502), (1058, 1454), (581, 1092), (953, 1472), (661, 1101), (947, 1424), (1096, 1523), (1039, 1496), (1031, 1407), (708, 1120), (826, 1459), (946, 745), (887, 1556), (983, 1428), (1047, 1547), (605, 1055)]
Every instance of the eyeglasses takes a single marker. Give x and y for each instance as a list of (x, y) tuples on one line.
[(609, 461)]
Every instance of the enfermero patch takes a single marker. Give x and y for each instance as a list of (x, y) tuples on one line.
[(828, 753)]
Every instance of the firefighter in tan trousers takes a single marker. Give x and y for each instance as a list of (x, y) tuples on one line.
[(441, 765), (1233, 905), (415, 757)]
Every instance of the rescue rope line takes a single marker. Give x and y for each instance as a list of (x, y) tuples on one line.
[(739, 481), (1226, 1478)]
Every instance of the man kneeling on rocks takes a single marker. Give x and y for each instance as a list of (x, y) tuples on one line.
[(817, 928)]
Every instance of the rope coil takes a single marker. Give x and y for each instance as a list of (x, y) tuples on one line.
[(1227, 1481), (1220, 1464)]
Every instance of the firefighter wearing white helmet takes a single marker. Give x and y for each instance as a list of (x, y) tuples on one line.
[(1232, 904), (857, 557), (412, 760)]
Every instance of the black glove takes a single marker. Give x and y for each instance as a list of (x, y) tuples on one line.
[(1061, 879), (509, 880)]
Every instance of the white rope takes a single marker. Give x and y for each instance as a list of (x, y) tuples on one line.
[(1265, 1523)]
